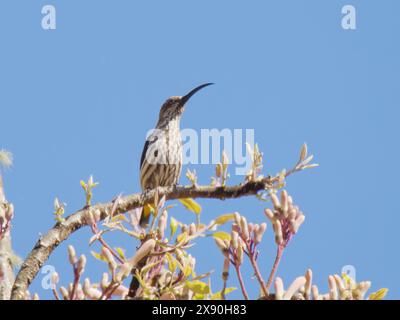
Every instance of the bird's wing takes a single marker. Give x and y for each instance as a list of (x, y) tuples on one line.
[(149, 142)]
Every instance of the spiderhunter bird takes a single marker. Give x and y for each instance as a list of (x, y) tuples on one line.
[(161, 162)]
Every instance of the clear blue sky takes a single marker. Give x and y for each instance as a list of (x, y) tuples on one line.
[(78, 100)]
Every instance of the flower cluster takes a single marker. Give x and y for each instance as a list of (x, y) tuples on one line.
[(162, 267), (77, 290), (221, 172), (286, 218), (340, 288)]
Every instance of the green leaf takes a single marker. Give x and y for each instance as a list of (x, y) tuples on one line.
[(222, 235), (347, 279), (83, 185), (147, 210), (198, 287), (119, 217), (182, 237), (173, 226), (187, 270), (379, 295), (171, 262), (180, 266), (141, 281), (218, 295), (6, 158), (98, 256), (148, 267), (191, 205), (224, 218), (120, 252)]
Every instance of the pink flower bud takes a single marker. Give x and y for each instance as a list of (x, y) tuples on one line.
[(162, 223), (294, 287), (292, 213), (64, 293), (339, 283), (86, 285), (333, 293), (9, 214), (221, 244), (104, 281), (142, 252), (279, 289), (278, 232), (54, 278), (79, 293), (90, 292), (192, 229), (72, 255), (251, 227), (275, 201), (307, 287), (361, 290), (81, 264), (315, 293), (244, 228), (237, 218), (112, 265), (234, 239), (239, 254), (270, 215), (121, 291), (259, 233), (299, 221), (124, 271), (284, 203), (303, 152)]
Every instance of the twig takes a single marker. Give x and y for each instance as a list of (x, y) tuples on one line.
[(225, 274), (107, 293), (75, 284), (116, 255), (55, 293), (241, 282), (278, 257), (258, 274)]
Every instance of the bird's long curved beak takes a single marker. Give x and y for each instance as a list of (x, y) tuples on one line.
[(186, 98)]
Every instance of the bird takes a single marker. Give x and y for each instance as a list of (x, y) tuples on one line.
[(161, 160)]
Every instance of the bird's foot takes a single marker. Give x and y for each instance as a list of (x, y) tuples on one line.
[(144, 196)]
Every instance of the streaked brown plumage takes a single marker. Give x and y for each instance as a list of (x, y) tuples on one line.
[(161, 161)]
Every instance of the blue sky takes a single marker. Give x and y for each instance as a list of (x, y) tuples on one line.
[(79, 100)]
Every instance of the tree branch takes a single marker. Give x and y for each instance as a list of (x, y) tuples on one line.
[(61, 231)]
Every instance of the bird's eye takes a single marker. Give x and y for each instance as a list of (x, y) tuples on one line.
[(156, 153)]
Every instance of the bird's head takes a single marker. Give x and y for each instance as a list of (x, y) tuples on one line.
[(174, 106)]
